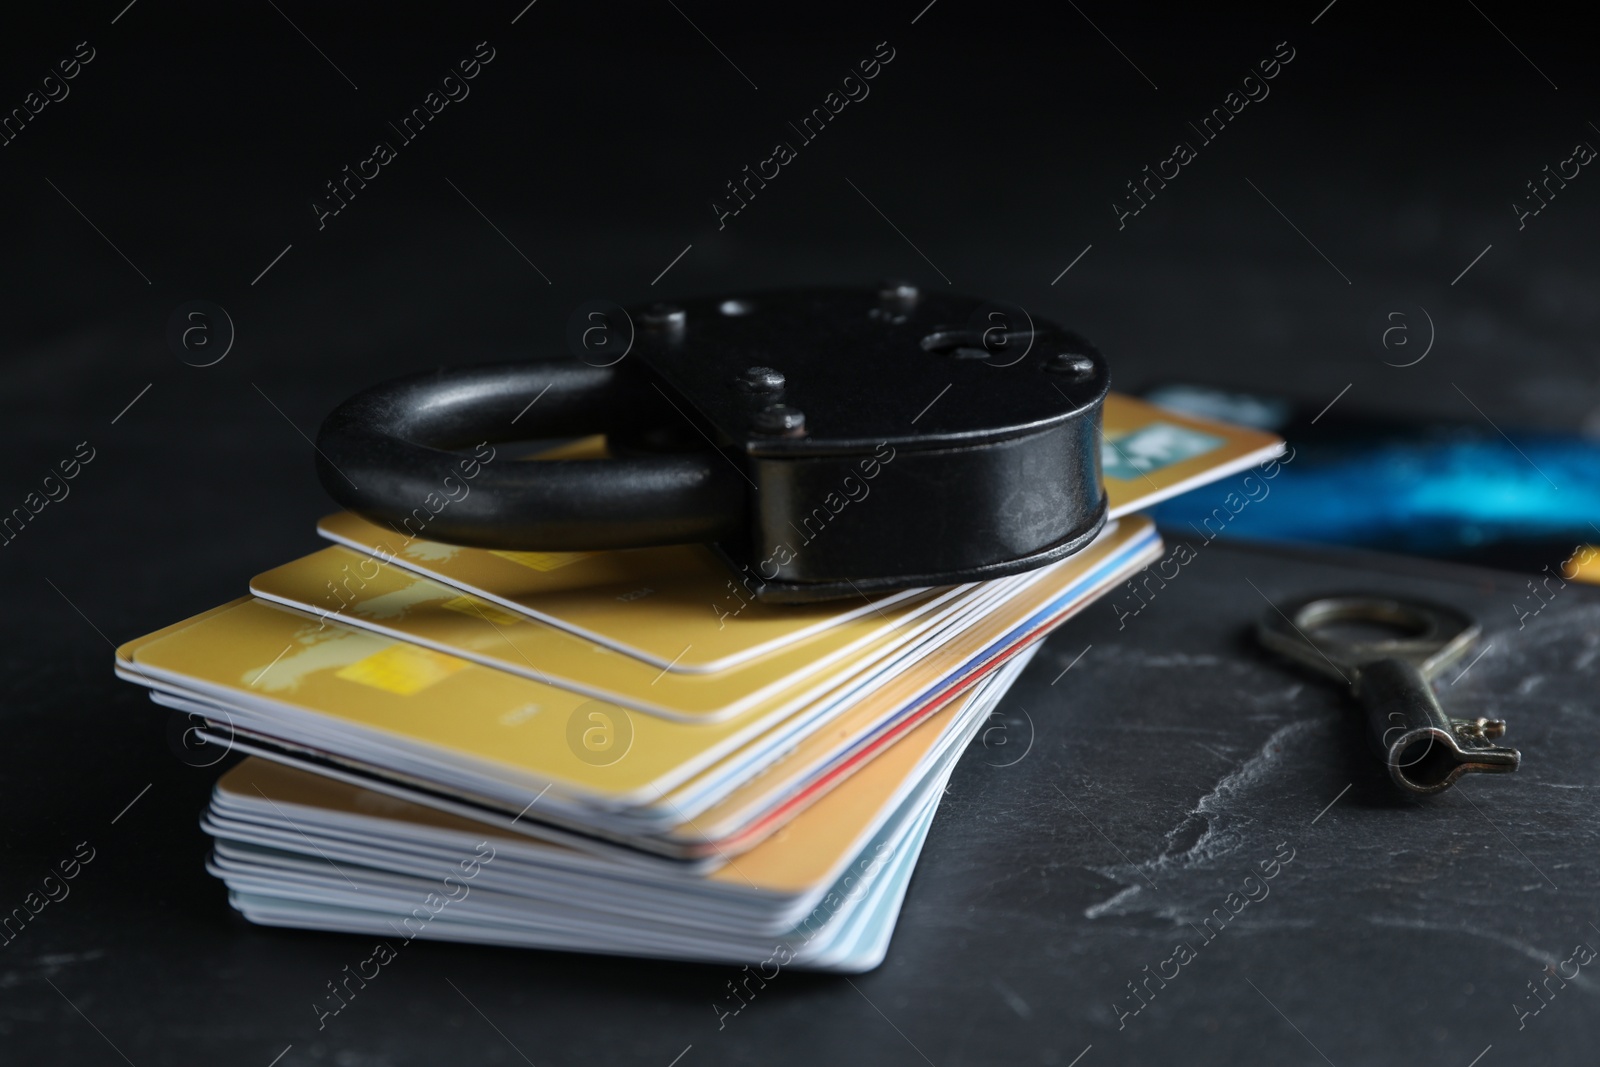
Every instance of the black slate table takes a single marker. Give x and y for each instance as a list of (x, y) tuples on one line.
[(1175, 786), (1378, 180)]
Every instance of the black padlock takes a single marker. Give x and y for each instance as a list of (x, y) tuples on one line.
[(826, 442)]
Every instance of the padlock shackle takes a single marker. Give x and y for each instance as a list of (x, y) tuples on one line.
[(420, 448)]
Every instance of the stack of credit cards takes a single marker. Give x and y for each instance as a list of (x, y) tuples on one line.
[(618, 752)]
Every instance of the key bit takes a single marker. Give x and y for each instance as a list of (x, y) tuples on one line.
[(1424, 749)]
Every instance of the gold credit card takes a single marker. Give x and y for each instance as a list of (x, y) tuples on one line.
[(807, 852), (408, 605), (309, 678), (416, 609), (277, 661), (1148, 454), (677, 607)]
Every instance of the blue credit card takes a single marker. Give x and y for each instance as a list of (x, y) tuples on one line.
[(1462, 491)]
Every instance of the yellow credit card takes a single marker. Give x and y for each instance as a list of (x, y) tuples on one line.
[(420, 611), (407, 605), (807, 852), (1148, 454), (276, 662), (126, 650), (302, 676), (677, 607)]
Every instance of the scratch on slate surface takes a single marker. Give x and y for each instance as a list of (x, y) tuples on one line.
[(1214, 827)]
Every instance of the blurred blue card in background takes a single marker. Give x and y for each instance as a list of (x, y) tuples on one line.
[(1463, 492)]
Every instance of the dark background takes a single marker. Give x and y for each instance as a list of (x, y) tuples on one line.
[(996, 140)]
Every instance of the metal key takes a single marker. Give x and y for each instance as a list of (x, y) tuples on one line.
[(1424, 749)]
